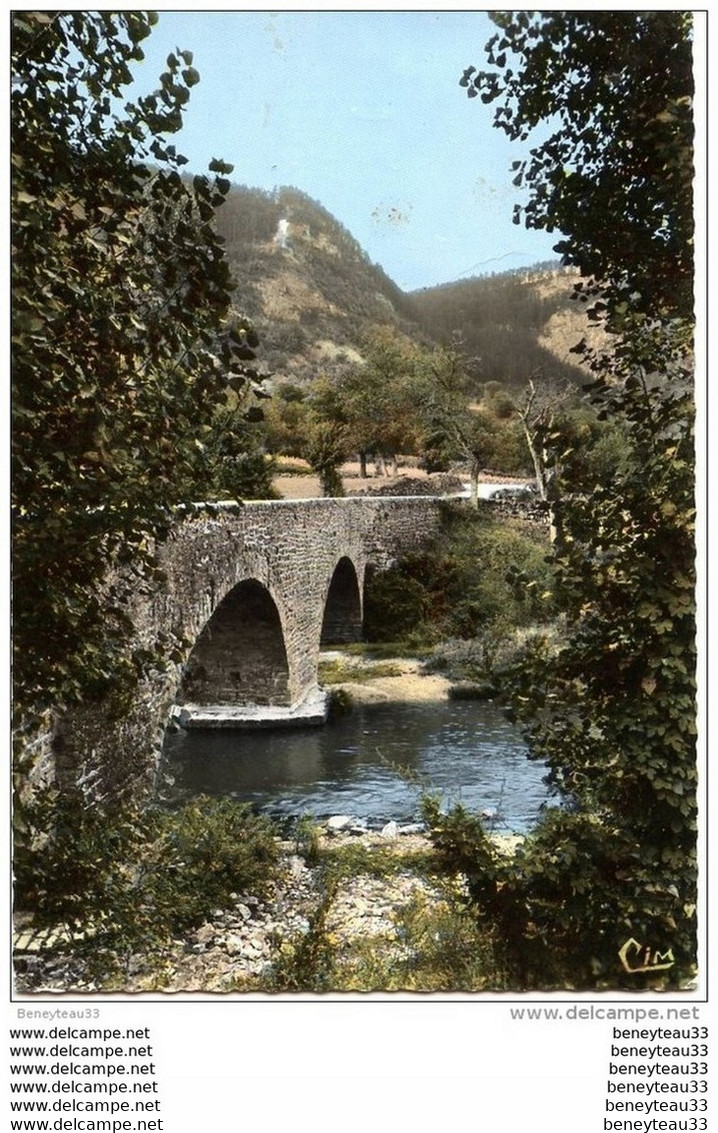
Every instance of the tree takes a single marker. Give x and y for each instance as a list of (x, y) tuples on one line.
[(377, 401), (615, 174), (326, 449), (613, 710), (537, 412), (121, 352), (367, 409), (454, 426), (286, 420), (327, 440), (234, 464)]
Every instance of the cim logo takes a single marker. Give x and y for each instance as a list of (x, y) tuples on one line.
[(637, 958)]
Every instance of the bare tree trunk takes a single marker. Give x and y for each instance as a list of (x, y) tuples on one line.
[(474, 483), (544, 480), (536, 416), (538, 463), (362, 465), (555, 530)]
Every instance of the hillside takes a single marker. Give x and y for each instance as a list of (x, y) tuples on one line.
[(515, 325), (313, 294), (311, 291)]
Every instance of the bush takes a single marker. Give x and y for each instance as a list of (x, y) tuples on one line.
[(500, 576), (433, 942), (340, 704), (118, 883), (396, 602), (562, 907), (307, 960), (210, 849), (485, 576)]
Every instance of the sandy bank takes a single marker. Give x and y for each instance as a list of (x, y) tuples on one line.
[(410, 685)]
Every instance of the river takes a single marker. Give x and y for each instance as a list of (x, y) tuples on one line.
[(372, 764)]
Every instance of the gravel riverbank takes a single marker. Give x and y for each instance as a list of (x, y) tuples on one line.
[(237, 948)]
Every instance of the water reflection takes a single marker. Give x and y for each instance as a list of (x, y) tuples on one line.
[(372, 764)]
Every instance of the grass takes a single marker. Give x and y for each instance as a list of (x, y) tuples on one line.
[(436, 947), (341, 672), (352, 859), (375, 650), (292, 466), (430, 943)]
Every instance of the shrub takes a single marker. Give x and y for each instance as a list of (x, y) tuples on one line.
[(484, 575), (122, 882), (306, 961), (561, 908), (340, 704), (448, 950), (395, 603), (210, 849)]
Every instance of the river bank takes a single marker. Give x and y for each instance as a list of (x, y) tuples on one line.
[(400, 680), (351, 911), (352, 917)]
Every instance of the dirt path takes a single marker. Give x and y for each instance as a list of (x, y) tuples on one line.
[(304, 485), (307, 486)]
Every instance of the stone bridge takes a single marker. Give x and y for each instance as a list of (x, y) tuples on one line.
[(250, 594)]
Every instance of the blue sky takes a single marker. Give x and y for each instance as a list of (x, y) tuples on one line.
[(363, 112)]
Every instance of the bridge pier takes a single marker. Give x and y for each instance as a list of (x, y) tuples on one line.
[(312, 711)]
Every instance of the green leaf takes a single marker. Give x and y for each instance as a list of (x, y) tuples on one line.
[(218, 166)]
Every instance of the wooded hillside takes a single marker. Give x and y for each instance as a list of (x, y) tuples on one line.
[(314, 296), (310, 290), (515, 325)]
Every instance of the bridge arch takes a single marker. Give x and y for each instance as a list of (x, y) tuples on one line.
[(240, 656), (342, 619)]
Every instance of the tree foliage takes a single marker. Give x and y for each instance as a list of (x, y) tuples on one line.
[(366, 408), (454, 428), (233, 464), (461, 588), (378, 397), (613, 710), (615, 173), (121, 352), (326, 442)]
